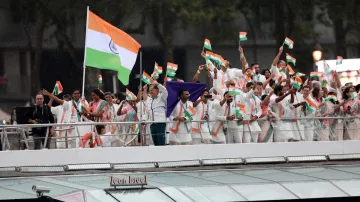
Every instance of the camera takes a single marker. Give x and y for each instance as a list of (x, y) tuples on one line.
[(208, 96), (40, 190)]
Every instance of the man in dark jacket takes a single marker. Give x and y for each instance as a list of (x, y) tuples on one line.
[(42, 115)]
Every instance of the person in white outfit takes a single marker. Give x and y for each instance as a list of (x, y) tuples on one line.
[(73, 114), (180, 132), (201, 131), (226, 124)]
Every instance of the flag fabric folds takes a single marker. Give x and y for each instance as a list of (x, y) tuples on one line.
[(130, 95), (242, 36), (207, 44), (290, 59), (171, 69), (174, 89), (289, 43), (310, 104), (146, 78), (240, 111), (158, 68), (58, 89), (108, 47), (315, 74), (297, 82)]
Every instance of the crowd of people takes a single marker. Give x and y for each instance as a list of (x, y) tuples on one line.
[(243, 105)]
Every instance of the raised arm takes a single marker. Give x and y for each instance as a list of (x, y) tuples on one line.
[(268, 81), (280, 98), (243, 60), (277, 57), (53, 97), (197, 74), (162, 89)]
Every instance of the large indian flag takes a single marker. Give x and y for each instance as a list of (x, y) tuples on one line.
[(108, 47)]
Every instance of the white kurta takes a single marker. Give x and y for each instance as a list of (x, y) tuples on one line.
[(180, 132), (281, 128), (202, 130), (252, 107), (59, 112), (221, 113)]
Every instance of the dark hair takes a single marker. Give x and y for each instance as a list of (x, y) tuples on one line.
[(357, 88), (249, 84), (205, 90), (119, 96), (154, 86), (67, 96), (98, 93), (315, 92), (263, 97), (306, 86), (272, 82), (107, 93), (344, 96), (182, 91), (259, 83), (99, 128), (75, 89), (227, 92), (265, 70), (253, 64), (277, 89)]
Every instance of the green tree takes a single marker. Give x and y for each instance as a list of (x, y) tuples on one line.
[(343, 17)]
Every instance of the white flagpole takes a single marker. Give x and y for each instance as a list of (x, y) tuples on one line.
[(141, 88), (114, 83), (84, 67)]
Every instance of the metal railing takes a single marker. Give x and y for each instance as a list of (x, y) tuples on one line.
[(22, 132)]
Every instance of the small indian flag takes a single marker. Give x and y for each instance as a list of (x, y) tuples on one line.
[(135, 128), (332, 98), (290, 59), (58, 89), (234, 91), (207, 44), (327, 69), (310, 104), (146, 78), (110, 48), (315, 74), (242, 36), (289, 43), (100, 79), (339, 60), (324, 82), (190, 113), (130, 95), (158, 68), (297, 82), (171, 69), (299, 74), (155, 75), (240, 111)]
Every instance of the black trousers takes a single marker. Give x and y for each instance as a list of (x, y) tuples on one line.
[(39, 139), (157, 131)]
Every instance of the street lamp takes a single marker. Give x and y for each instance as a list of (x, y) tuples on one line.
[(317, 55)]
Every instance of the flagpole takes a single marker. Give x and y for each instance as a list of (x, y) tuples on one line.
[(84, 66), (141, 88)]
